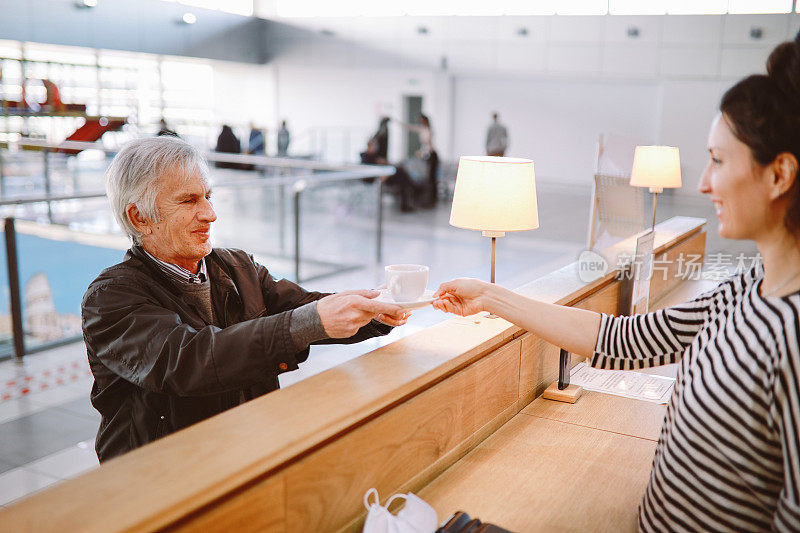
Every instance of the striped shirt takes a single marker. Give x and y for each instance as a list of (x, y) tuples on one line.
[(180, 273), (728, 457)]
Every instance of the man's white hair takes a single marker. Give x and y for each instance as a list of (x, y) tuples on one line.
[(136, 174)]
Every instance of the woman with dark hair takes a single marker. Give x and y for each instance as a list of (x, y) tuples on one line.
[(728, 458)]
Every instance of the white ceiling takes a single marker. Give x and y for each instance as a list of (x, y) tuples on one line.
[(668, 46)]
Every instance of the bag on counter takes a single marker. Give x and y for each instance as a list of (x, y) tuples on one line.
[(416, 516)]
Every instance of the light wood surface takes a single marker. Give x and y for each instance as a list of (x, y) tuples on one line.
[(402, 414), (606, 412), (564, 467), (536, 474)]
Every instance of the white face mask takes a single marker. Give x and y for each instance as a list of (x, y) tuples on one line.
[(415, 517)]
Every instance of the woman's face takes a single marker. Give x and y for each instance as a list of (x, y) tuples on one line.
[(737, 185)]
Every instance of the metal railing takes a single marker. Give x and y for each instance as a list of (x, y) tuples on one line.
[(308, 175)]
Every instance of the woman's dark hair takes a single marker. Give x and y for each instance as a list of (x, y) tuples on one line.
[(424, 119), (764, 113)]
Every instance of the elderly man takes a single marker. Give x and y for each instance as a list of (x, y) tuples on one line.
[(178, 332)]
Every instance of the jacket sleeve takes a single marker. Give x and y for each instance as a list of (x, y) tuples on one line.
[(283, 295), (150, 346), (650, 339)]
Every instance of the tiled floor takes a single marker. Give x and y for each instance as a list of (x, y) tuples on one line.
[(46, 435)]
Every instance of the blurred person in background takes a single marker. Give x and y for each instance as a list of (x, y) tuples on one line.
[(283, 140), (428, 154), (496, 138), (228, 143)]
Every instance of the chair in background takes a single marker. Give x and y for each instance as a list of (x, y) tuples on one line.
[(617, 209)]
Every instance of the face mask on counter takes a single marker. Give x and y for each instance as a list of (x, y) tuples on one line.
[(415, 517)]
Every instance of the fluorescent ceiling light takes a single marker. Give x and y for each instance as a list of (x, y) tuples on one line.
[(637, 7), (582, 7), (237, 7), (189, 18), (759, 6), (428, 8), (697, 7)]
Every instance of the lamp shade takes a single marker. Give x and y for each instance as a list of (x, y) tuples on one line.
[(656, 166), (495, 194)]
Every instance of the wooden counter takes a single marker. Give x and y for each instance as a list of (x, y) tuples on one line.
[(301, 458), (562, 467)]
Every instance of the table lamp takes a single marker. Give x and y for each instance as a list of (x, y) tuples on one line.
[(656, 167), (495, 195)]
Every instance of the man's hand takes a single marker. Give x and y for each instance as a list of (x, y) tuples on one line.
[(344, 313)]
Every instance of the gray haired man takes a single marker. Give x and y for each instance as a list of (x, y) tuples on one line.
[(178, 332)]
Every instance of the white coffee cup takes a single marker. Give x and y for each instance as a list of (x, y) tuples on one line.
[(406, 282)]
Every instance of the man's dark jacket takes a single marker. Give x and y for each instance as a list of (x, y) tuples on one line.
[(159, 367)]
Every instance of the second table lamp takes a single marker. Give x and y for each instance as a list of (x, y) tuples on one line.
[(656, 167), (495, 195)]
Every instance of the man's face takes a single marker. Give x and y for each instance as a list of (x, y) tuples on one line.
[(181, 236)]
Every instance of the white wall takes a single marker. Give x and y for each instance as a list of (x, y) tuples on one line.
[(555, 123), (350, 101), (557, 89), (244, 93)]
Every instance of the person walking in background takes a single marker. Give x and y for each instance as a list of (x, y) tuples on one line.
[(496, 138), (283, 140), (164, 129), (227, 143), (428, 154), (255, 144), (381, 137)]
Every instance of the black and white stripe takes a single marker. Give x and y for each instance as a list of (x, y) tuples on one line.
[(728, 458)]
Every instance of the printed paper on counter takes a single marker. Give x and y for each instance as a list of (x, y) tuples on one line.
[(635, 385)]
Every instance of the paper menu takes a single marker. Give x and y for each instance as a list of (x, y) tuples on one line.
[(635, 385)]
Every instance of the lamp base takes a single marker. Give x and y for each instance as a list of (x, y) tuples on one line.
[(568, 395)]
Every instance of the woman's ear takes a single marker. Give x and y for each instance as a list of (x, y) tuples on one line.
[(784, 174), (138, 220)]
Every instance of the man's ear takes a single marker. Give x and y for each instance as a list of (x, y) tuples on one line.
[(138, 220), (784, 173)]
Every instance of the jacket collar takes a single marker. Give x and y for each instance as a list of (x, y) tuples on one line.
[(215, 267)]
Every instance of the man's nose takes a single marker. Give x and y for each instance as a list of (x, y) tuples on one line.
[(206, 213)]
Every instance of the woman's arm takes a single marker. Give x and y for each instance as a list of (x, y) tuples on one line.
[(572, 329), (627, 342)]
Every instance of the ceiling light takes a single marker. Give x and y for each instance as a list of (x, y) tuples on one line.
[(189, 18)]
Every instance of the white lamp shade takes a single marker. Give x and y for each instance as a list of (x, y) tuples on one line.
[(495, 194), (656, 166)]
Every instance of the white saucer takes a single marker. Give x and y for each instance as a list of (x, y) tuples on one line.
[(426, 299)]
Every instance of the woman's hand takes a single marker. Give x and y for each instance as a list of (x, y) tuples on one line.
[(462, 296)]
